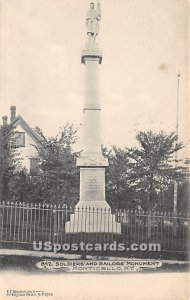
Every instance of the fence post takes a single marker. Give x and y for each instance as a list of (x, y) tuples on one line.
[(175, 224), (149, 224), (55, 224)]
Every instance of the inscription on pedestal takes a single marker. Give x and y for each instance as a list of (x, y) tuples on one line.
[(92, 183)]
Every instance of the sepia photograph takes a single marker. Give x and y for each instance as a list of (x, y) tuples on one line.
[(94, 149)]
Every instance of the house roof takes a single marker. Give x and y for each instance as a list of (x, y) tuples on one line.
[(33, 135)]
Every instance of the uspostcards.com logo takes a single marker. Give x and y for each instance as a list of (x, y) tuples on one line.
[(82, 246)]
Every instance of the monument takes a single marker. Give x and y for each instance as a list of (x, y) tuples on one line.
[(92, 213)]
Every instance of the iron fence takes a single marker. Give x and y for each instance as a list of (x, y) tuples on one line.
[(23, 223)]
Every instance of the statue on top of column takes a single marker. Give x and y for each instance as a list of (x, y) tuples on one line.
[(92, 22)]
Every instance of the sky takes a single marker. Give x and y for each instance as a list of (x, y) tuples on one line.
[(144, 43)]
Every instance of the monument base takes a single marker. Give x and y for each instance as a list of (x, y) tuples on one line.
[(94, 218)]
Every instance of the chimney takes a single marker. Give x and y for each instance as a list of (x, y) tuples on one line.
[(13, 113), (5, 118)]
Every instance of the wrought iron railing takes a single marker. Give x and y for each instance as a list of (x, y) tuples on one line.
[(23, 223)]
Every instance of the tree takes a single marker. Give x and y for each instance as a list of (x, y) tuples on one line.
[(120, 192), (152, 165), (58, 180), (9, 162)]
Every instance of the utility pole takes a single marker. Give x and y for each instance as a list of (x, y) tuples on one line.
[(176, 157), (176, 153)]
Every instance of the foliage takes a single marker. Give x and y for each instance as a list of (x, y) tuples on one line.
[(9, 162), (120, 193), (58, 180), (152, 165), (143, 177)]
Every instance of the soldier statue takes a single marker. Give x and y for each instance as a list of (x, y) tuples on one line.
[(92, 22)]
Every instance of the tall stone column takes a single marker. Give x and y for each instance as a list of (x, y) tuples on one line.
[(92, 163)]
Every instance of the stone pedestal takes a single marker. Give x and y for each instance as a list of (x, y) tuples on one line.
[(93, 220), (92, 164)]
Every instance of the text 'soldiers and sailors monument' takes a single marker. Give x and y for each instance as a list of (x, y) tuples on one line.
[(92, 163)]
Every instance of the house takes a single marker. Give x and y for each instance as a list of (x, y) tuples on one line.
[(25, 139)]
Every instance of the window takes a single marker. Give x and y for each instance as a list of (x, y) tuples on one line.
[(34, 166), (19, 139)]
